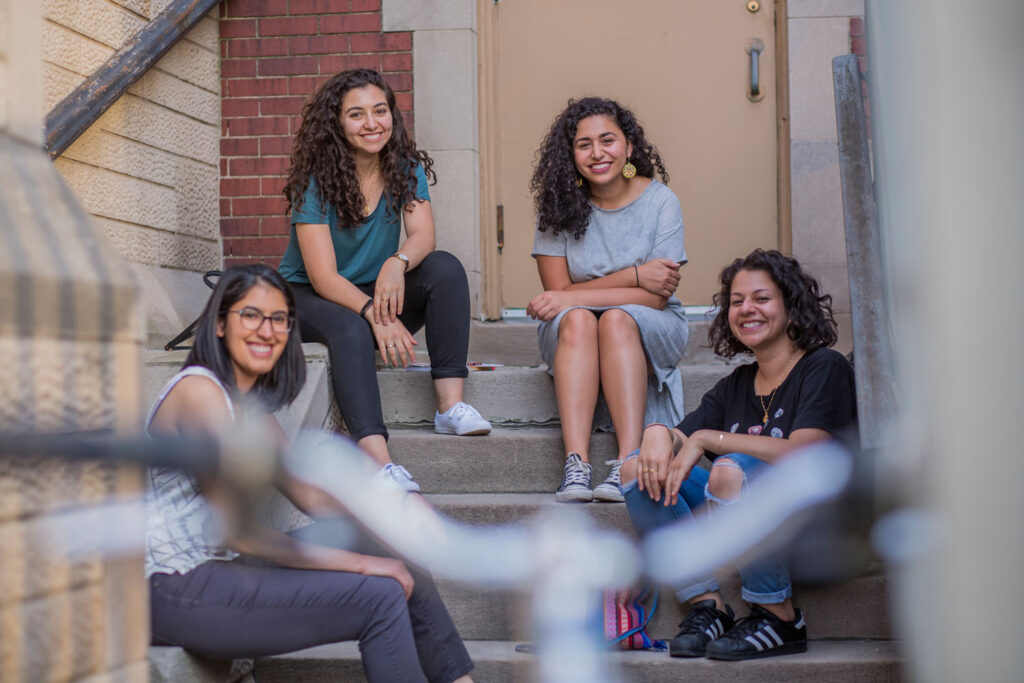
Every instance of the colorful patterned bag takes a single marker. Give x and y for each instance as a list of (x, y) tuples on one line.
[(626, 619)]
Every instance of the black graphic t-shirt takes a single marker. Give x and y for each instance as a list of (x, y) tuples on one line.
[(818, 393)]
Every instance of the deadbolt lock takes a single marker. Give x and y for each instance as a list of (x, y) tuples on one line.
[(753, 6)]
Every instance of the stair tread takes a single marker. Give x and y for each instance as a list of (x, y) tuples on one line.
[(510, 475), (833, 660)]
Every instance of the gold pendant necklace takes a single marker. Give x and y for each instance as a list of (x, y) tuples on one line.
[(771, 396)]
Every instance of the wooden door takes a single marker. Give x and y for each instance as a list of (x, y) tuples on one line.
[(684, 69)]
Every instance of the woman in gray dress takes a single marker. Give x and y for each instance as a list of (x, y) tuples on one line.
[(609, 245)]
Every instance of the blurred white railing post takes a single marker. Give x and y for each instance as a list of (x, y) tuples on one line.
[(947, 106)]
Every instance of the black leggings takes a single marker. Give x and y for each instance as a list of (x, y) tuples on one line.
[(436, 294), (232, 610)]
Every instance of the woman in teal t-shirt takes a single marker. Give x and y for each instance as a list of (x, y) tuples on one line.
[(355, 177)]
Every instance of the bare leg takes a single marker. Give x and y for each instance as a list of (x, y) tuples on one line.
[(448, 391), (714, 595), (623, 376), (576, 379), (783, 610), (376, 446)]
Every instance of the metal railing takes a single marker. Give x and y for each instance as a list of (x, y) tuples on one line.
[(86, 103), (559, 558), (873, 361)]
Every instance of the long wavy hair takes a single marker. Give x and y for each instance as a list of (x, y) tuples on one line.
[(811, 323), (562, 205), (322, 152), (276, 388)]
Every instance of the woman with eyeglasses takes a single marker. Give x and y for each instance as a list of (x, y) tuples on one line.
[(204, 596), (356, 177)]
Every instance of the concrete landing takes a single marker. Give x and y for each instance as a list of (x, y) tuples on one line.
[(844, 661)]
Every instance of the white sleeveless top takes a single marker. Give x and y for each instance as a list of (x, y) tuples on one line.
[(182, 531)]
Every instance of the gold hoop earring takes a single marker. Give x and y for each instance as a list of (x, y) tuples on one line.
[(579, 182), (629, 170)]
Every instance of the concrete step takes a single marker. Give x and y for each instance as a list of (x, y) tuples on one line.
[(844, 661), (857, 608), (514, 343), (508, 460), (484, 509), (509, 395)]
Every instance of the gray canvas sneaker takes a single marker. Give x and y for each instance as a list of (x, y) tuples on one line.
[(575, 481), (608, 490)]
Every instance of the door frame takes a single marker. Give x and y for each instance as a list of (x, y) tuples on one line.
[(489, 117), (782, 117), (489, 122)]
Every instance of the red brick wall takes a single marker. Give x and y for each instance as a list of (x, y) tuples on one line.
[(274, 53), (859, 47)]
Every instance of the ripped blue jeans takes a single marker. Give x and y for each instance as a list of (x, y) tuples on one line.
[(765, 580)]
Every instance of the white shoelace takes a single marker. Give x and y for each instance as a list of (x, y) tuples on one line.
[(459, 410), (614, 476), (399, 474), (575, 473)]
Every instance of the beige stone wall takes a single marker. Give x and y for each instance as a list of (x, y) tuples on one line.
[(70, 336), (445, 73), (4, 49), (148, 168), (818, 31)]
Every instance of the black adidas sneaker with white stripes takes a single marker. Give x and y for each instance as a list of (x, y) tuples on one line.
[(762, 634), (702, 624)]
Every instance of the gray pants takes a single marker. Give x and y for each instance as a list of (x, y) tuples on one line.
[(233, 610)]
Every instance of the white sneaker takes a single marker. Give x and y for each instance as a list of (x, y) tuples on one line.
[(461, 419), (575, 481), (608, 490), (395, 477)]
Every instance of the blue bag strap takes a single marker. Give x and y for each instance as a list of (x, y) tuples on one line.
[(650, 615)]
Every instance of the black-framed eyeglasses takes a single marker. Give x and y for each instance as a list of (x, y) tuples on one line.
[(252, 319)]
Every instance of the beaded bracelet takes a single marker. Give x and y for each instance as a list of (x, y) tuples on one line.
[(366, 306)]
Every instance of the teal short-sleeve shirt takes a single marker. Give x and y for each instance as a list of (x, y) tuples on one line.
[(359, 252)]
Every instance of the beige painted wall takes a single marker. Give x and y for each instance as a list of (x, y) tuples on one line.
[(445, 67), (148, 168), (818, 31)]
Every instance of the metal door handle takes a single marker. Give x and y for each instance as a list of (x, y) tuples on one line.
[(754, 48)]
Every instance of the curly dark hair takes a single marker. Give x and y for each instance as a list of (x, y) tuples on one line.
[(811, 324), (322, 152), (561, 204)]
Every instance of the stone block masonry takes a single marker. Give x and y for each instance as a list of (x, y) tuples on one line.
[(147, 169), (274, 54)]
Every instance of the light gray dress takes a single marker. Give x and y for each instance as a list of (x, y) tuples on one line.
[(649, 227)]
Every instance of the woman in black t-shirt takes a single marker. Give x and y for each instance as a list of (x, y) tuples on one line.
[(796, 392)]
